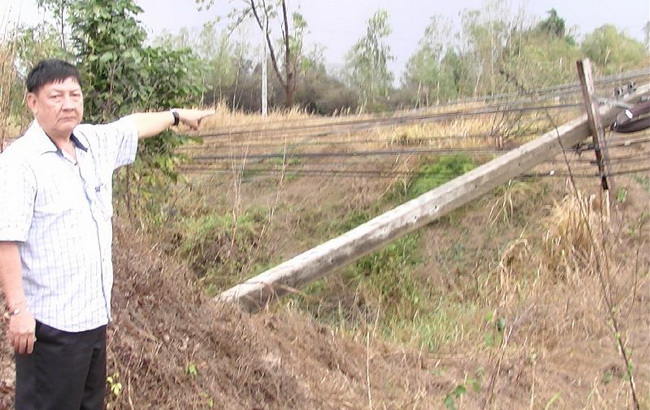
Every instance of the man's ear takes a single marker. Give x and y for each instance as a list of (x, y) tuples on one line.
[(31, 102)]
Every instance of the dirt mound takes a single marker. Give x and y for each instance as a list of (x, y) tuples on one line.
[(171, 348)]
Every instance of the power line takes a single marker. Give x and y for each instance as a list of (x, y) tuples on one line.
[(361, 124), (380, 139), (393, 174), (303, 135), (438, 151)]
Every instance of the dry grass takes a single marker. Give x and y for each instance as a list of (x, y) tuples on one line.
[(238, 134), (503, 129), (576, 311), (7, 77), (575, 235), (227, 120)]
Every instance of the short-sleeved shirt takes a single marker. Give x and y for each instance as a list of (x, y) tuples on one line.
[(59, 212)]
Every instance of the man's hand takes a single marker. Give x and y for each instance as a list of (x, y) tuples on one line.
[(21, 332), (153, 123), (193, 118)]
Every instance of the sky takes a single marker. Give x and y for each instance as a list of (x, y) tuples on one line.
[(338, 24)]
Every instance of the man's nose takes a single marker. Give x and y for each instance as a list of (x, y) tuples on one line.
[(69, 102)]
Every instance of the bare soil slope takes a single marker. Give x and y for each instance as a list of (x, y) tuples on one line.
[(171, 348)]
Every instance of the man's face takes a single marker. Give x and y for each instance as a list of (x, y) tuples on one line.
[(58, 107)]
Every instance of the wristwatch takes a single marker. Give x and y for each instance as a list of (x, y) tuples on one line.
[(177, 118)]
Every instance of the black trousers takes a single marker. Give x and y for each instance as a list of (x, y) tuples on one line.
[(65, 371)]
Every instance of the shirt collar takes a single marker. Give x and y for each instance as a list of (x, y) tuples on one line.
[(43, 144), (78, 143)]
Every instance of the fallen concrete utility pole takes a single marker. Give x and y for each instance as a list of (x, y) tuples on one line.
[(326, 258)]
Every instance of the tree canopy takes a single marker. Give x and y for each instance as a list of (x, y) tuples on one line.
[(490, 50), (367, 62)]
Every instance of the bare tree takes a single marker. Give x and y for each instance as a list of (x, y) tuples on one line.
[(285, 59)]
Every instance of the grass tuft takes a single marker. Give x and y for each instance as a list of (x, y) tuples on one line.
[(576, 228)]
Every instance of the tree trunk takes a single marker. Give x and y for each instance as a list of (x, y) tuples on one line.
[(289, 85)]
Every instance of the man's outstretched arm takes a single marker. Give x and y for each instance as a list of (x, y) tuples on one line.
[(150, 124)]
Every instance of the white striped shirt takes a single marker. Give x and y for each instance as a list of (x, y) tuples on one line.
[(59, 211)]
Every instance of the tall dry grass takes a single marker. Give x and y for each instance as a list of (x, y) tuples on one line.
[(7, 76), (574, 241), (583, 291), (226, 119), (437, 127)]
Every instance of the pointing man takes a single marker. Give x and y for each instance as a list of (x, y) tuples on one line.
[(55, 237)]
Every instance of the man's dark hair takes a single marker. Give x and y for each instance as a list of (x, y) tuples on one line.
[(50, 71)]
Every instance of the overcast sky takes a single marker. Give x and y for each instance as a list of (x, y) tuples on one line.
[(338, 24)]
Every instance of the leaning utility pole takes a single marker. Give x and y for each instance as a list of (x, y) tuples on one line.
[(595, 126)]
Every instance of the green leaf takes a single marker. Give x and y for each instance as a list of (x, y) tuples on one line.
[(106, 57), (501, 324), (449, 402)]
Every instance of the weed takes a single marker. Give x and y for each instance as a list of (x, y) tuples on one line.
[(552, 400), (114, 384), (446, 168), (209, 401), (386, 274), (250, 174), (494, 334), (437, 322), (353, 219), (635, 229), (450, 399), (192, 370), (382, 280), (644, 181), (608, 375), (281, 160)]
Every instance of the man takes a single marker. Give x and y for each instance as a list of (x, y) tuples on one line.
[(56, 234)]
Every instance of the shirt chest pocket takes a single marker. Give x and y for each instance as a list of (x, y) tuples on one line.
[(58, 199), (73, 193)]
